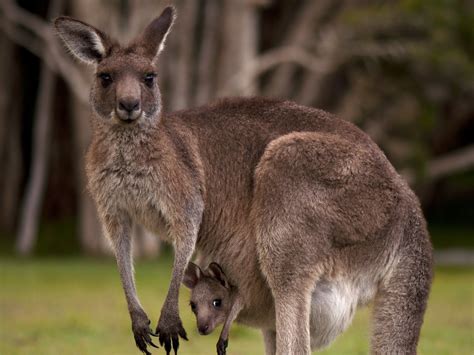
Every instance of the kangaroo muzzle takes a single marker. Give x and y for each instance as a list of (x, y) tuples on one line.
[(128, 109)]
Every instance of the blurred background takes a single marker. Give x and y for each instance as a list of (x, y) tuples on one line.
[(403, 71)]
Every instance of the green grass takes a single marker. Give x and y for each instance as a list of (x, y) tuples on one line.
[(76, 306)]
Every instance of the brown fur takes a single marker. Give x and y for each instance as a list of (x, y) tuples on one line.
[(284, 197)]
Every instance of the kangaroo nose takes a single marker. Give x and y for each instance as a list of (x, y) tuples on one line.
[(203, 329), (129, 105)]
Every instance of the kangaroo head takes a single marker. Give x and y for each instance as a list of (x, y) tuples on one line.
[(211, 299), (125, 89)]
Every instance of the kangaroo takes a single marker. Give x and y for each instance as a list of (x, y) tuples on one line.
[(284, 197), (213, 300)]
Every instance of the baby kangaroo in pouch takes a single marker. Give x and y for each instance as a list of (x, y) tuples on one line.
[(302, 210), (213, 301)]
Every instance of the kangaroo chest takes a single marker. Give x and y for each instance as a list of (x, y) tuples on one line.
[(134, 188)]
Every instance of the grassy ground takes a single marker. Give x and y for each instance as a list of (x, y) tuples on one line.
[(76, 306)]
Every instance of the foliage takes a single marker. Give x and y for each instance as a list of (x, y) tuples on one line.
[(418, 78)]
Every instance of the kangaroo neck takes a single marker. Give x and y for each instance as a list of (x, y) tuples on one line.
[(131, 141)]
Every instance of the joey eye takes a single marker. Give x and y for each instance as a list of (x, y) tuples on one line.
[(105, 79), (149, 79), (217, 303), (193, 306)]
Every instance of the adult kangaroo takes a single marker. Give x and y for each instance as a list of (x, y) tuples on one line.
[(301, 198)]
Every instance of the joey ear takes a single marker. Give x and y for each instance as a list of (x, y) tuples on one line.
[(216, 271), (154, 36), (192, 275), (84, 41)]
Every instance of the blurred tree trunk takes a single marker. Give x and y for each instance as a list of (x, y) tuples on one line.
[(10, 127), (36, 185), (299, 34), (312, 83), (146, 245), (239, 42), (33, 199), (185, 35), (205, 86)]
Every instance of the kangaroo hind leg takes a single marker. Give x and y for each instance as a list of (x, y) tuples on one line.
[(401, 300), (269, 338), (291, 234)]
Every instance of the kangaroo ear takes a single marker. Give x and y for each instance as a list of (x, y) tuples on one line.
[(154, 37), (84, 41), (192, 275), (215, 271)]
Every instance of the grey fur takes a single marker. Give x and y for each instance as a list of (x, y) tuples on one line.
[(289, 200)]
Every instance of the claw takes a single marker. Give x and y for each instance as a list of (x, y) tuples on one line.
[(152, 334), (168, 346), (141, 345), (175, 341), (222, 346), (182, 333), (152, 344), (149, 341)]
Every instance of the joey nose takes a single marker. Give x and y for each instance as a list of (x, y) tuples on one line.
[(203, 329)]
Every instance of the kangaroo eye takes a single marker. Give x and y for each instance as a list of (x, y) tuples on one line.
[(149, 79), (105, 79), (193, 306), (217, 303)]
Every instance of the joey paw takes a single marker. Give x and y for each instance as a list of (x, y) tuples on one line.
[(222, 346)]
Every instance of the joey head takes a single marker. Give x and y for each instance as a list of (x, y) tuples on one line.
[(213, 300)]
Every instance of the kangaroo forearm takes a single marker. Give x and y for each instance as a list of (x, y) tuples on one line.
[(170, 327), (183, 221), (234, 312), (183, 251), (125, 267), (118, 231), (226, 329)]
